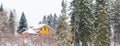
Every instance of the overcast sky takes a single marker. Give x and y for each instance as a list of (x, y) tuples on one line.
[(33, 9)]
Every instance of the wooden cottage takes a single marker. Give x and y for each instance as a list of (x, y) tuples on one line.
[(43, 29)]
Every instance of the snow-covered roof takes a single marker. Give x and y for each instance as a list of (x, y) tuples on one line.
[(31, 31)]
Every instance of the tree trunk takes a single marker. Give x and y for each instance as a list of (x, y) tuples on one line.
[(84, 43)]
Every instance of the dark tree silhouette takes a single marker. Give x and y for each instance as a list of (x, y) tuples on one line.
[(22, 24)]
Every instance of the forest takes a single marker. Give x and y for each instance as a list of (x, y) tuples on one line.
[(83, 23)]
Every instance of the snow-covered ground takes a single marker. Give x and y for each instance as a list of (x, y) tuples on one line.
[(27, 40)]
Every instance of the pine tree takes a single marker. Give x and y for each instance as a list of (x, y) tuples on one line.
[(116, 16), (12, 22), (82, 21), (54, 22), (1, 7), (51, 20), (48, 20), (110, 12), (44, 19), (55, 19), (63, 33), (22, 24), (73, 15), (3, 23), (102, 28)]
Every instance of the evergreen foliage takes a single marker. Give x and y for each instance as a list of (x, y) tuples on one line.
[(83, 20), (1, 7), (116, 21), (22, 24), (63, 33), (12, 22), (102, 28)]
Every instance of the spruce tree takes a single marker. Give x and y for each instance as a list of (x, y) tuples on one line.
[(82, 21), (102, 28), (54, 22), (44, 19), (48, 20), (22, 24), (116, 21), (73, 15), (55, 19), (12, 22), (51, 20), (3, 23), (63, 33), (1, 7)]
